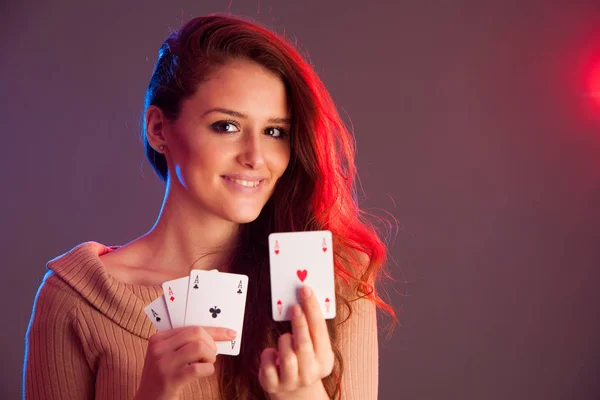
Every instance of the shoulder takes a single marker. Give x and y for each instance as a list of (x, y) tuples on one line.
[(68, 281), (55, 292), (56, 303)]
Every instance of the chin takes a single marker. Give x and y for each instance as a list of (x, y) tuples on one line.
[(243, 215), (243, 219)]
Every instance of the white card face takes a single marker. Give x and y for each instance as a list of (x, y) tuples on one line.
[(175, 294), (218, 299), (158, 313), (298, 259)]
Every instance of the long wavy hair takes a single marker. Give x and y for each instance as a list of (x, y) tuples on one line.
[(316, 192)]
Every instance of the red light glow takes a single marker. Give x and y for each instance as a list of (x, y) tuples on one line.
[(594, 85)]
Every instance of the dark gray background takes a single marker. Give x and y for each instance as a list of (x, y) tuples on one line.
[(474, 128)]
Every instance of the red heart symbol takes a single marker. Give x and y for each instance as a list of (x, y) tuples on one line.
[(302, 274), (276, 247)]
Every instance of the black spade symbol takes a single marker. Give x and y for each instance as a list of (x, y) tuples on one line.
[(215, 311), (157, 319)]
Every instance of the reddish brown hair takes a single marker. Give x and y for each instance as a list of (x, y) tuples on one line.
[(317, 191)]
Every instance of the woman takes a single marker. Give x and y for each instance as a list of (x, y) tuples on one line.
[(248, 142)]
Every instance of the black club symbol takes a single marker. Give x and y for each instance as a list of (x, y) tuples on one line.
[(215, 311)]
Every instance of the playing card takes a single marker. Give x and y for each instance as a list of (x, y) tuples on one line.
[(158, 313), (218, 299), (175, 294), (298, 259), (174, 301)]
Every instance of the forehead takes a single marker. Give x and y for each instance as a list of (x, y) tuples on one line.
[(245, 87)]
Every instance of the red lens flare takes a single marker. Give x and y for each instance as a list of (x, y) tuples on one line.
[(594, 84), (588, 80)]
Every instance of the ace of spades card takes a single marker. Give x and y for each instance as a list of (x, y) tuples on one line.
[(218, 299), (297, 259), (158, 314)]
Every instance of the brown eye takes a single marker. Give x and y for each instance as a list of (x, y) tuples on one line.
[(224, 126), (276, 132)]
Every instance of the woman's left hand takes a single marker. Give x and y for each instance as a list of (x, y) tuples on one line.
[(294, 370)]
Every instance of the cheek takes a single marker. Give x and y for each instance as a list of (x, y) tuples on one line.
[(201, 153), (208, 163), (279, 160), (195, 163), (182, 153)]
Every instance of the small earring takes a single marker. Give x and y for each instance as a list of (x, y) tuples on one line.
[(162, 147)]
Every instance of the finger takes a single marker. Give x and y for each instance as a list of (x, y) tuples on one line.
[(303, 345), (185, 336), (220, 334), (316, 322), (167, 342), (192, 334), (160, 336), (268, 375), (288, 362), (193, 352)]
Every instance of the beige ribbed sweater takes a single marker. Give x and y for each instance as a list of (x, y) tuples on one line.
[(88, 335)]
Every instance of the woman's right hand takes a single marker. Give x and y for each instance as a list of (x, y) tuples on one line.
[(176, 357)]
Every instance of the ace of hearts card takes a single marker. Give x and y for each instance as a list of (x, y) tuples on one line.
[(297, 259)]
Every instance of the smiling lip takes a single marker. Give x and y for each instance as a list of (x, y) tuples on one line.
[(230, 180), (245, 177)]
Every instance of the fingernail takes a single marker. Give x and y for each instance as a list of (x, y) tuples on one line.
[(296, 311), (231, 333), (306, 292)]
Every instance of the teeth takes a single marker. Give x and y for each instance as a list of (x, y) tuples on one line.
[(245, 183)]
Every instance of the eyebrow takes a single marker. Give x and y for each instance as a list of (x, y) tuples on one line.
[(244, 116)]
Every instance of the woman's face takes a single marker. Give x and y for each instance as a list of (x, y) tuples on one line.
[(230, 143)]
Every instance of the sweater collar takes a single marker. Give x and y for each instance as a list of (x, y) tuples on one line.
[(83, 270)]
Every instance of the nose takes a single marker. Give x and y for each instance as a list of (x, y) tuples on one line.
[(251, 152)]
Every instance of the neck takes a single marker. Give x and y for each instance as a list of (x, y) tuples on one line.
[(186, 237)]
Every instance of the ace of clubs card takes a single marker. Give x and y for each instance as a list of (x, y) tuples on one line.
[(218, 299), (297, 259), (175, 293)]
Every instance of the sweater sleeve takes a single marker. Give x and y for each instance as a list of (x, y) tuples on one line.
[(359, 347), (55, 366)]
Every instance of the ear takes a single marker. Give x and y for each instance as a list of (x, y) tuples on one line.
[(156, 128)]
